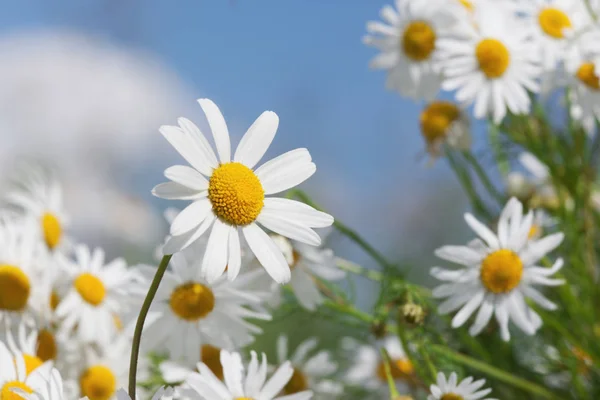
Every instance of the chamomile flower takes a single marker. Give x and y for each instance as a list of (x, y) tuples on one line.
[(14, 375), (582, 64), (308, 263), (498, 274), (452, 390), (189, 312), (24, 262), (310, 371), (368, 369), (97, 292), (534, 185), (51, 389), (444, 122), (408, 43), (241, 384), (491, 63), (229, 195), (35, 348), (40, 196)]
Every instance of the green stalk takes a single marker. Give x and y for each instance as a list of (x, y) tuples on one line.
[(483, 177), (388, 373), (139, 326)]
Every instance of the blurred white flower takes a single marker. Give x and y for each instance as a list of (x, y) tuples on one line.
[(444, 122)]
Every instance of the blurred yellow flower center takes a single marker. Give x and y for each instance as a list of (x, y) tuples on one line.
[(236, 194), (401, 368), (211, 356), (534, 231), (493, 58), (297, 383), (243, 398), (437, 118), (46, 345), (8, 394), (14, 288), (52, 230), (31, 363), (501, 271), (587, 74), (54, 300), (90, 288), (451, 396), (192, 301), (98, 383), (466, 4), (418, 40), (118, 322), (553, 22)]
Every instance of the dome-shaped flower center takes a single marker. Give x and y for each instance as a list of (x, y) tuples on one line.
[(587, 74), (436, 119), (418, 40), (451, 396), (297, 383), (14, 288), (401, 368), (7, 390), (501, 271), (90, 288), (211, 356), (31, 363), (52, 230), (98, 383), (236, 194), (553, 22), (192, 301), (46, 345), (493, 58), (54, 300)]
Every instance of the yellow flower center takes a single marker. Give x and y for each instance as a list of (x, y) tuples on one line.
[(46, 345), (236, 194), (401, 368), (31, 363), (8, 394), (587, 74), (243, 398), (90, 288), (297, 383), (436, 118), (192, 301), (52, 230), (553, 22), (451, 396), (534, 231), (418, 40), (467, 4), (14, 288), (54, 300), (501, 271), (211, 356), (493, 58), (98, 383)]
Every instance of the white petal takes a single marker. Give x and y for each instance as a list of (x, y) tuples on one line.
[(460, 255), (289, 229), (175, 191), (502, 318), (191, 216), (537, 249), (276, 383), (286, 171), (483, 316), (187, 176), (482, 231), (298, 212), (188, 147), (235, 254), (468, 309), (218, 126), (257, 139), (178, 243), (215, 257), (267, 253), (306, 290)]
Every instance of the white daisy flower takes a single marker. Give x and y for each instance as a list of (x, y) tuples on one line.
[(40, 195), (368, 368), (51, 389), (452, 390), (241, 384), (499, 274), (189, 312), (24, 262), (14, 375), (535, 185), (97, 292), (582, 64), (408, 43), (491, 63), (229, 196), (311, 372), (308, 263), (444, 122), (541, 221)]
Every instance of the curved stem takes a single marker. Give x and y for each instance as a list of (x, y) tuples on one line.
[(139, 326), (388, 373)]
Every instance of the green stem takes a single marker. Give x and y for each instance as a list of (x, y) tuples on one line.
[(359, 270), (499, 153), (388, 373), (465, 180), (139, 326), (485, 180), (494, 372)]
